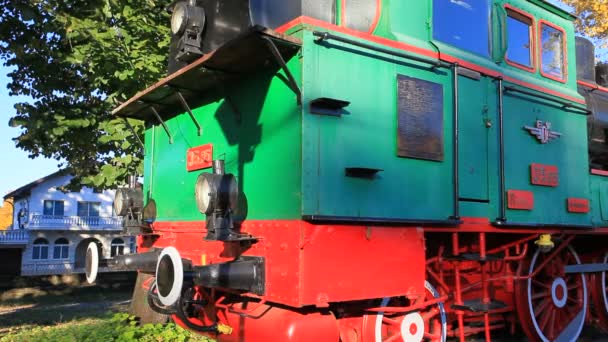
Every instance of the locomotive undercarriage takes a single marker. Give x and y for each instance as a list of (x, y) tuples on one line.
[(478, 281)]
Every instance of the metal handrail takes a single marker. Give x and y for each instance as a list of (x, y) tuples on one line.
[(13, 236), (52, 221)]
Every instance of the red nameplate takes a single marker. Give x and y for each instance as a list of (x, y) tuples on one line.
[(545, 175), (200, 157), (578, 205), (520, 200)]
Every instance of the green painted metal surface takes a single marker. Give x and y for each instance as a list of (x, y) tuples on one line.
[(256, 129), (366, 137), (291, 162)]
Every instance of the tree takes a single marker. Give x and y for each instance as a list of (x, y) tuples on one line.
[(593, 18), (77, 60)]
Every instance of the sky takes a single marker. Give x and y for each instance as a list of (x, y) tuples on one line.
[(17, 169)]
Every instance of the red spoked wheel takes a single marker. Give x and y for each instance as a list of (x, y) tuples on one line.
[(552, 304), (428, 324), (599, 295)]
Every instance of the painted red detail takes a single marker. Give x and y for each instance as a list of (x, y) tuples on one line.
[(423, 52), (532, 41), (520, 200), (545, 175), (578, 205), (565, 51), (271, 323), (343, 13), (315, 264), (592, 86), (200, 157), (376, 20), (599, 172)]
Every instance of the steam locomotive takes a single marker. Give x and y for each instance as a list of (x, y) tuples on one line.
[(322, 170)]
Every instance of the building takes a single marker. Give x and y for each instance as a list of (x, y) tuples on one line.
[(51, 229)]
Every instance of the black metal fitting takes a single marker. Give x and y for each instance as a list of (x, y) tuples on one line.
[(246, 273), (143, 262)]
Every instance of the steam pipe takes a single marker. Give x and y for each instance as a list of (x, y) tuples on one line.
[(144, 262), (173, 274)]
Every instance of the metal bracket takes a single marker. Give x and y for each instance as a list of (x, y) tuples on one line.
[(279, 59), (187, 108), (133, 132), (160, 120)]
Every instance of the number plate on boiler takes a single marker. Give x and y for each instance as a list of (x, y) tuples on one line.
[(545, 175), (200, 157)]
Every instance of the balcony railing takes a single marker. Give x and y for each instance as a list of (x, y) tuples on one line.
[(74, 222), (49, 268), (13, 237)]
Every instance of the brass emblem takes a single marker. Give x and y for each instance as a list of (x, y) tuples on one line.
[(542, 131)]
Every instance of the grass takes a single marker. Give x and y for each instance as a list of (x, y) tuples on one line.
[(119, 327), (47, 311)]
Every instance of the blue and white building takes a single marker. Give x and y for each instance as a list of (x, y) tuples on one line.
[(52, 228)]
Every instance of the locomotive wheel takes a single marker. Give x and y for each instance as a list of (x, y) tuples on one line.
[(599, 295), (552, 304), (428, 324)]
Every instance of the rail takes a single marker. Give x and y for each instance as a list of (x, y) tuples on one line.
[(13, 237), (58, 267), (74, 222)]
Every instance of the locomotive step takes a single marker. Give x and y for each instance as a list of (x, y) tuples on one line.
[(477, 305), (474, 257)]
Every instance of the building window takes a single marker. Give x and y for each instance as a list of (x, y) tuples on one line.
[(60, 250), (520, 39), (464, 24), (41, 249), (53, 208), (88, 209), (117, 247), (552, 51)]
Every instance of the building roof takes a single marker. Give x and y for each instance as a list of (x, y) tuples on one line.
[(26, 189)]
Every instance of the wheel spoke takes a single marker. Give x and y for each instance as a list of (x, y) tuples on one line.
[(393, 338), (574, 301), (390, 321), (541, 294), (553, 321), (575, 286), (544, 320), (538, 283), (542, 307)]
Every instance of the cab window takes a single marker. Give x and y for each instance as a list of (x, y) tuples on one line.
[(552, 51), (464, 24), (520, 33)]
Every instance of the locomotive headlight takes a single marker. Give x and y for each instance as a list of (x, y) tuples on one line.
[(179, 18), (216, 192), (126, 199), (187, 16)]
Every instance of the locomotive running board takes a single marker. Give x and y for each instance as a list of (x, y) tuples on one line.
[(380, 221), (586, 268), (508, 224), (192, 84)]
